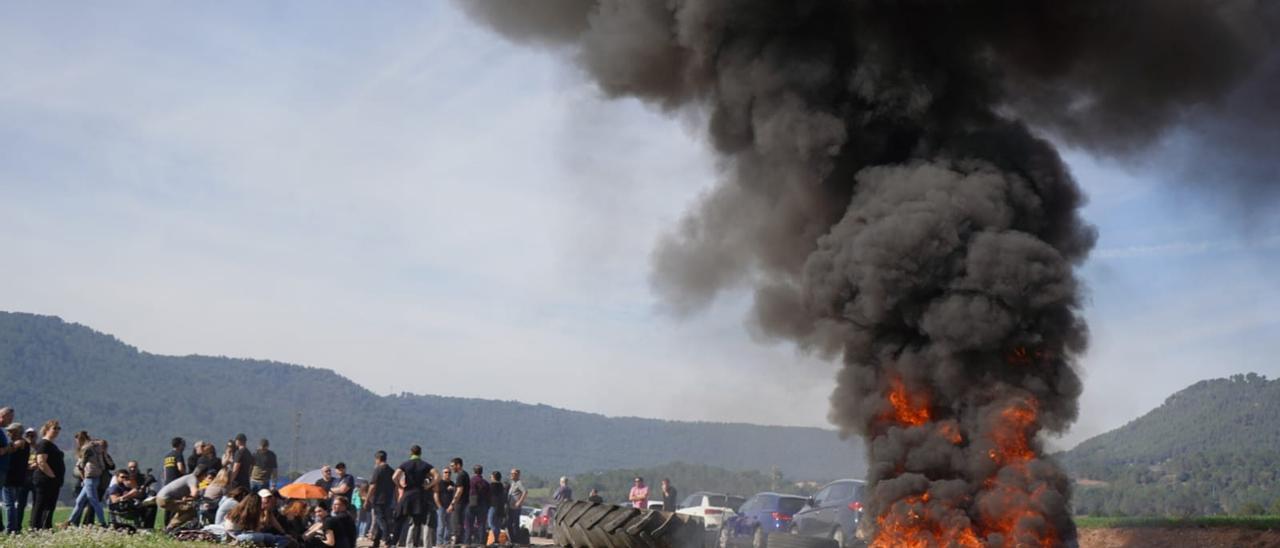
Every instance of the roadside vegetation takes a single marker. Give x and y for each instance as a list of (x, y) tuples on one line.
[(1237, 522)]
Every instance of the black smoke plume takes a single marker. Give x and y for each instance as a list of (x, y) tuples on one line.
[(891, 193)]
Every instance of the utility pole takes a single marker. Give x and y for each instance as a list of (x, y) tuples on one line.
[(297, 440)]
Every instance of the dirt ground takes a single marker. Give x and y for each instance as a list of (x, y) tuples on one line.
[(1216, 537)]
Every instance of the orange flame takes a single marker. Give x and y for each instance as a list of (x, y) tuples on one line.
[(950, 432), (911, 523), (1021, 355), (908, 409), (1011, 434), (919, 521)]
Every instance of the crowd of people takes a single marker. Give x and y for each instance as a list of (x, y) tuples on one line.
[(238, 495)]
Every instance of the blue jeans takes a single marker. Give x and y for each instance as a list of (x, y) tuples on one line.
[(444, 527), (89, 496), (255, 486), (495, 524), (15, 505), (262, 538)]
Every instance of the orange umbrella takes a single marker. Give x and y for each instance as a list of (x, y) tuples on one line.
[(303, 491)]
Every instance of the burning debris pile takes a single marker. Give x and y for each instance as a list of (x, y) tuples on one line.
[(884, 193)]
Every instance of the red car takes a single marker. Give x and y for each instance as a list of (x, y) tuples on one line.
[(542, 524)]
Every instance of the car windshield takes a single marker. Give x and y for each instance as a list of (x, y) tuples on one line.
[(790, 505), (735, 502), (717, 501)]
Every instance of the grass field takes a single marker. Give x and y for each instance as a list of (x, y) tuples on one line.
[(1239, 522)]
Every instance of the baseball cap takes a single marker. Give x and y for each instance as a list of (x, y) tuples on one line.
[(264, 493)]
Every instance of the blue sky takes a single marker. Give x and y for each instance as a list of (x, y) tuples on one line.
[(393, 193)]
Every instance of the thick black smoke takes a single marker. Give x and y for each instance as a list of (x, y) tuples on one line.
[(888, 194)]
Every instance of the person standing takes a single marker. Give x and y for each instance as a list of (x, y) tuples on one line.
[(415, 476), (265, 468), (175, 466), (639, 495), (50, 472), (6, 452), (343, 485), (516, 494), (461, 499), (17, 481), (564, 493), (443, 496), (197, 451), (497, 505), (595, 497), (91, 465), (381, 493), (478, 508), (668, 495), (241, 463), (325, 481)]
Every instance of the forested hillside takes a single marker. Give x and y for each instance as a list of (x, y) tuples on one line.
[(92, 381), (1212, 448)]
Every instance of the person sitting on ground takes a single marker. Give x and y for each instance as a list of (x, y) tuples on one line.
[(217, 486), (179, 496), (315, 535), (228, 502), (271, 505), (123, 496), (340, 528), (294, 518), (250, 521)]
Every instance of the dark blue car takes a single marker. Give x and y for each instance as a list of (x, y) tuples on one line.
[(757, 517), (833, 512)]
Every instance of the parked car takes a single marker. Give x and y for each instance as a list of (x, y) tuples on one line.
[(527, 515), (713, 508), (833, 512), (760, 515), (542, 524)]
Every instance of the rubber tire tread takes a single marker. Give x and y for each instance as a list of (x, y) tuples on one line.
[(785, 540), (583, 524)]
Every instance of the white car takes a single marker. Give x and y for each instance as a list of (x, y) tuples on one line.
[(713, 508), (526, 516)]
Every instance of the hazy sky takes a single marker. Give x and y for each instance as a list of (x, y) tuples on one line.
[(391, 192)]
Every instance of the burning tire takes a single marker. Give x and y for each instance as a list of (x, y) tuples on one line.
[(783, 540), (582, 524)]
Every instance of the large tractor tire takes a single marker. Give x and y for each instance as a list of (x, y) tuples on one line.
[(784, 540), (582, 524)]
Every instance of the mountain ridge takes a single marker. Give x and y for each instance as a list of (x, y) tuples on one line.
[(72, 371), (1210, 448)]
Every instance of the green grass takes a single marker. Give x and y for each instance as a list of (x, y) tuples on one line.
[(1244, 522), (96, 537)]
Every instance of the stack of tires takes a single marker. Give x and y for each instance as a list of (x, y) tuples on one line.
[(582, 524)]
